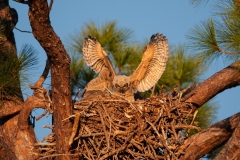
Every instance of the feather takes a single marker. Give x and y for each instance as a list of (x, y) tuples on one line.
[(95, 56), (152, 65)]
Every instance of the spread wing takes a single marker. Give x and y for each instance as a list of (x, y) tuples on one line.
[(95, 56), (152, 65)]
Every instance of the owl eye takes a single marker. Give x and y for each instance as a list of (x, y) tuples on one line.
[(117, 86), (125, 85)]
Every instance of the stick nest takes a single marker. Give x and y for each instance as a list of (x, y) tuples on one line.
[(113, 128)]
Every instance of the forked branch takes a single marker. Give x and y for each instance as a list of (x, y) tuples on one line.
[(39, 100)]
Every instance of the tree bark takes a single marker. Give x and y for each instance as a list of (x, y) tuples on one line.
[(232, 147), (5, 151), (209, 139), (13, 139), (17, 132), (60, 72), (220, 81)]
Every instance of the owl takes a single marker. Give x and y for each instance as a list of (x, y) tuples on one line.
[(147, 74)]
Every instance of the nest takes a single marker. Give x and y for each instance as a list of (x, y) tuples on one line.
[(113, 128)]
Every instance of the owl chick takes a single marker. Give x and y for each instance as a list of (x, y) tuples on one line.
[(146, 75), (98, 86), (121, 84)]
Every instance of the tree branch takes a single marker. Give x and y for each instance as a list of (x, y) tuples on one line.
[(50, 5), (22, 30), (232, 147), (43, 77), (227, 78), (31, 103), (7, 111), (209, 139)]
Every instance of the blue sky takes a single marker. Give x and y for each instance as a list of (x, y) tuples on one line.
[(171, 18)]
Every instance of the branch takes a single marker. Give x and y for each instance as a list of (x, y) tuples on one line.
[(231, 149), (209, 139), (21, 1), (50, 5), (223, 51), (43, 77), (227, 78), (31, 103), (7, 111), (22, 30)]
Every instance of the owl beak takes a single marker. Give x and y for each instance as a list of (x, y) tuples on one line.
[(121, 90)]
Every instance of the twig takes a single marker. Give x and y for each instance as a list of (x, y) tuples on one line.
[(22, 30), (119, 149), (56, 155), (21, 1), (74, 129), (44, 144), (104, 128), (159, 136), (42, 115), (50, 127), (50, 5), (152, 94), (124, 99), (194, 116)]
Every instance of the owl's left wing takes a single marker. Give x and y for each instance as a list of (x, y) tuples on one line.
[(152, 65)]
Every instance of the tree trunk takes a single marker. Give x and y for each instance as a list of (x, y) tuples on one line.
[(60, 72), (14, 140)]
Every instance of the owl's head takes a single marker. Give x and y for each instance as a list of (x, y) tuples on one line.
[(121, 83)]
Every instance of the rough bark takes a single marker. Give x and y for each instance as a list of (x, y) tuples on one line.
[(9, 19), (220, 81), (232, 147), (5, 151), (17, 133), (60, 71), (209, 139), (7, 110), (14, 140)]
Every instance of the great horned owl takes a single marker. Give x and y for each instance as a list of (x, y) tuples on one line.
[(142, 79)]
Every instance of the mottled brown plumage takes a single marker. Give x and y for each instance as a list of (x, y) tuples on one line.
[(142, 79)]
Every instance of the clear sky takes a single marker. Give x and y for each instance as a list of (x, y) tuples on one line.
[(171, 18)]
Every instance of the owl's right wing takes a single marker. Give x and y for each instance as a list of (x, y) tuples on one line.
[(152, 65), (95, 56)]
